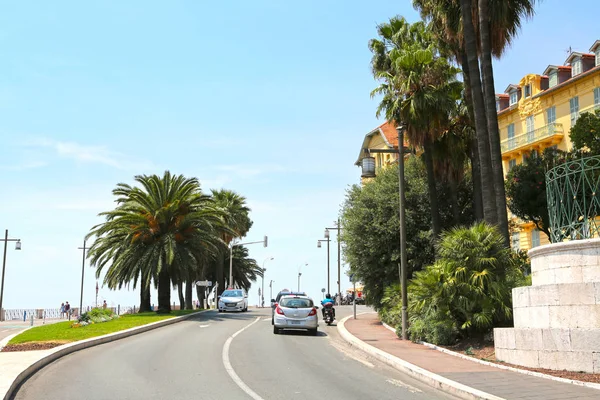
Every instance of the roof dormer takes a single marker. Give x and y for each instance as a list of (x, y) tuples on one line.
[(580, 62), (530, 85), (557, 74), (596, 50), (501, 102), (514, 94)]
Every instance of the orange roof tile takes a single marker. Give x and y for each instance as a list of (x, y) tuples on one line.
[(389, 131)]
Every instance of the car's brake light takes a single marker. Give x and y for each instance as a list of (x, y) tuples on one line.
[(279, 311), (312, 312)]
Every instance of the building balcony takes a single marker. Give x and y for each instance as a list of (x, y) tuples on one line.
[(541, 138)]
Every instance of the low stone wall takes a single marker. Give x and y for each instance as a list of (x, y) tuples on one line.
[(557, 319)]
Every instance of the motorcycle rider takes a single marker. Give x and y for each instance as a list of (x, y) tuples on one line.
[(326, 300)]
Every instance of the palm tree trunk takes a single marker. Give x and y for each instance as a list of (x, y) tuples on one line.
[(436, 225), (492, 119), (164, 291), (145, 305), (220, 264), (189, 305), (180, 294), (488, 195), (200, 292), (474, 151)]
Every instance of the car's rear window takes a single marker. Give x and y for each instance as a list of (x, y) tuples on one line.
[(293, 302)]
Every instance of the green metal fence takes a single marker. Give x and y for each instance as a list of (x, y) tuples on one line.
[(572, 190)]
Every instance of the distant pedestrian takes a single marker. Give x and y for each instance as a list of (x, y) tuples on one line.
[(104, 305), (62, 310), (68, 310)]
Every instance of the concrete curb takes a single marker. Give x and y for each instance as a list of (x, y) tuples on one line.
[(429, 378), (69, 348), (513, 369), (506, 367), (7, 339)]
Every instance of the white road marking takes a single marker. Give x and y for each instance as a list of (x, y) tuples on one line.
[(230, 369), (204, 326), (403, 385), (266, 319)]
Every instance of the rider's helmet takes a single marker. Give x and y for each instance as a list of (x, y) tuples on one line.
[(327, 296)]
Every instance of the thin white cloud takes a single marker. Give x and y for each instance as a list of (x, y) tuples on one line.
[(23, 166), (90, 154)]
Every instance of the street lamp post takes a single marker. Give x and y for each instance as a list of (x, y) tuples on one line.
[(271, 289), (338, 229), (17, 247), (262, 294), (231, 245), (368, 166), (319, 246), (300, 274), (83, 249), (402, 201)]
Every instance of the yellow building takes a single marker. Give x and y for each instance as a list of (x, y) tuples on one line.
[(384, 137), (539, 112)]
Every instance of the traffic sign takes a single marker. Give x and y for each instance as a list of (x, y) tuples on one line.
[(204, 283), (323, 290)]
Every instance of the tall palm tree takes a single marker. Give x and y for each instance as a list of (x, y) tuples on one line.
[(156, 232), (419, 88), (495, 24), (236, 218)]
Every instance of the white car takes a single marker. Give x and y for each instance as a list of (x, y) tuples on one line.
[(233, 300), (296, 312)]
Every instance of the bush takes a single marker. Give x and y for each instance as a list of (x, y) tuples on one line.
[(96, 315), (468, 290), (433, 328), (390, 311)]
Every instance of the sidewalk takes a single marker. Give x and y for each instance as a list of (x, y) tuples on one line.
[(498, 382)]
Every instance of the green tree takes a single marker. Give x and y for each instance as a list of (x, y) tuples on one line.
[(418, 88), (526, 188), (585, 134), (245, 270), (236, 218), (157, 232), (371, 228)]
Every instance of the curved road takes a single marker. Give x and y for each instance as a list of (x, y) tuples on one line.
[(198, 359)]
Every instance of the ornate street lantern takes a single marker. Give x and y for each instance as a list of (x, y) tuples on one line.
[(368, 167)]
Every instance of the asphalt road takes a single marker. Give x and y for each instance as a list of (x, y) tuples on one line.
[(224, 356)]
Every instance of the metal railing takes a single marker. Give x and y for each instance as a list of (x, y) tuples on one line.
[(573, 191), (531, 137)]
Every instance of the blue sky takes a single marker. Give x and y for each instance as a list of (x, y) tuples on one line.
[(267, 98)]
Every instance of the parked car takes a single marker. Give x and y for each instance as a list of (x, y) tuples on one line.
[(233, 300), (296, 312), (284, 292)]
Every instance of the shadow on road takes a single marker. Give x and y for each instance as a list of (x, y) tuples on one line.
[(292, 332), (216, 316)]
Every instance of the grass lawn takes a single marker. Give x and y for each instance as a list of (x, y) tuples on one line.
[(62, 332)]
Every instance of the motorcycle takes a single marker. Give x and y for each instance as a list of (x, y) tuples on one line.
[(328, 316)]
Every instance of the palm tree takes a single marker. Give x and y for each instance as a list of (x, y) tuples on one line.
[(495, 24), (419, 88), (450, 155), (236, 219), (156, 232), (245, 269)]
